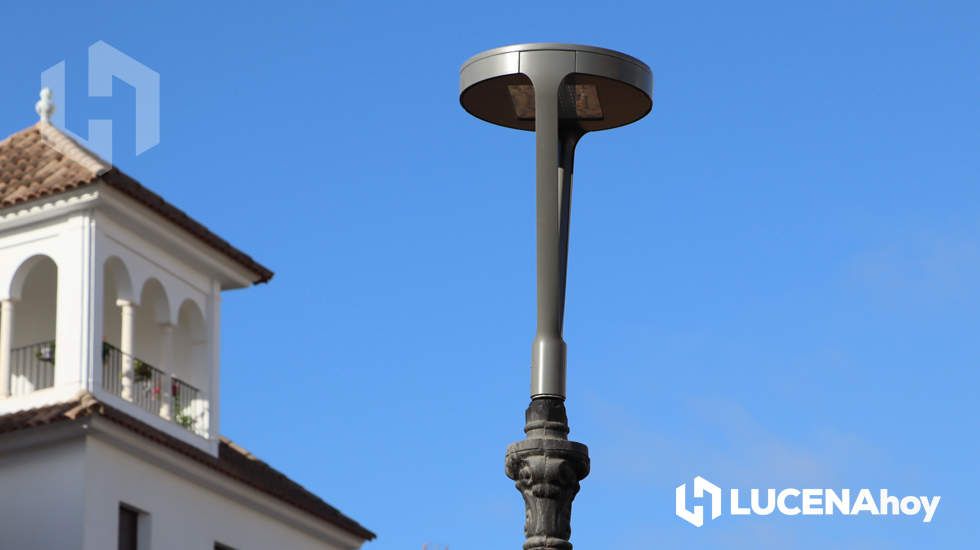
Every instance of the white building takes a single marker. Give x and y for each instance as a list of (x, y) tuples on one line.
[(110, 308)]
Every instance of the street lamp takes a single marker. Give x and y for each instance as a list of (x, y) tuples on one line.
[(559, 91)]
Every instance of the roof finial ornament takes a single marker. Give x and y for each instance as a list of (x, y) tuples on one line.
[(44, 106)]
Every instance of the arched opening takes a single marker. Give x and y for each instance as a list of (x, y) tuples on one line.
[(190, 368), (34, 293), (152, 313)]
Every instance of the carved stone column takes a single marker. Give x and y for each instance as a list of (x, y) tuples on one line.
[(546, 468)]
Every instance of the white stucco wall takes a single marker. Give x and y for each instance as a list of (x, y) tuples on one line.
[(61, 487), (182, 514), (41, 497)]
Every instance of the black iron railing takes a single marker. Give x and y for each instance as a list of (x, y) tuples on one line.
[(149, 391), (188, 410), (31, 368)]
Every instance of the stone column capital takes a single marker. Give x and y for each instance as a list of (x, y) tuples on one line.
[(547, 468)]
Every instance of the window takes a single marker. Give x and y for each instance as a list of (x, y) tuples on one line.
[(129, 520)]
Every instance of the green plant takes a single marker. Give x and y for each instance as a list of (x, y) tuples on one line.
[(141, 371), (45, 353), (185, 420)]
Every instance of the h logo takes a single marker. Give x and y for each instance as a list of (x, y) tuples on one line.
[(104, 63), (701, 486)]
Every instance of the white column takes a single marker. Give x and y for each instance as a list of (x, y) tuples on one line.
[(213, 403), (126, 347), (167, 349), (6, 339)]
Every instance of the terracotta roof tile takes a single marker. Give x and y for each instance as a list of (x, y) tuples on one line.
[(41, 161), (232, 460)]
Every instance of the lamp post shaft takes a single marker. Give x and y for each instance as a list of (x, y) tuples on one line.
[(546, 71)]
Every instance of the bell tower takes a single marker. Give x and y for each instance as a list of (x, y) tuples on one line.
[(108, 289)]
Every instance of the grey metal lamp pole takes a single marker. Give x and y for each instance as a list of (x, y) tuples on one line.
[(559, 91)]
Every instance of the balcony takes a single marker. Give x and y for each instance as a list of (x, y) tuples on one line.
[(157, 354), (32, 369), (177, 401)]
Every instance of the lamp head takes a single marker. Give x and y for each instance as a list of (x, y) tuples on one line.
[(606, 89)]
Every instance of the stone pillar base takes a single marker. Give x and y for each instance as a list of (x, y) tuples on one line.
[(546, 468)]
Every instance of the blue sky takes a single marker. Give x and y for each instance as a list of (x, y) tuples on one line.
[(774, 278)]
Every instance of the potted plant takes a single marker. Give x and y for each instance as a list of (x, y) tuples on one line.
[(181, 418), (45, 353), (141, 371), (185, 420)]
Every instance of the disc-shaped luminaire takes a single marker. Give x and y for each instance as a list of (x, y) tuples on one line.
[(604, 88)]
